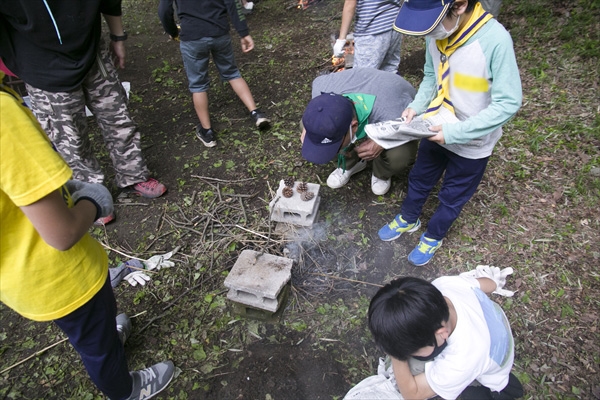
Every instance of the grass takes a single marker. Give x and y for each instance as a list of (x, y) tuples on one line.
[(536, 210)]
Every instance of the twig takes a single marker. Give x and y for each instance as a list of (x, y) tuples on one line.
[(128, 256), (346, 279), (37, 353), (120, 252), (222, 180), (257, 234)]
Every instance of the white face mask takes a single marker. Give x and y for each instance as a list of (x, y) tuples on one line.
[(440, 32)]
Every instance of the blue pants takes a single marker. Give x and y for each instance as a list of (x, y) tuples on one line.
[(92, 330), (196, 55), (462, 176)]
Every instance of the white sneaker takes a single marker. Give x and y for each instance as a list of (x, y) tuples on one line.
[(339, 178), (380, 186), (249, 6)]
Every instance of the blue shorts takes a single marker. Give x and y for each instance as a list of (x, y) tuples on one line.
[(196, 54)]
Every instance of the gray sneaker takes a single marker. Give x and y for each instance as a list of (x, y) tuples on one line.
[(149, 382), (123, 327), (206, 136)]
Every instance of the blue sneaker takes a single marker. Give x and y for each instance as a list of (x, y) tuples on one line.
[(396, 228), (424, 251)]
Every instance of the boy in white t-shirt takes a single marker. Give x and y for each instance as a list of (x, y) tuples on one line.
[(450, 324)]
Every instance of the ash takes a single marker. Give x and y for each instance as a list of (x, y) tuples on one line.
[(317, 261)]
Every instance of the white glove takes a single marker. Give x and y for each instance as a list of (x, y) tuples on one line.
[(160, 261), (338, 47), (137, 277), (495, 274)]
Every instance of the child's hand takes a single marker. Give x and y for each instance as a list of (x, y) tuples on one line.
[(118, 52), (95, 193), (368, 150), (247, 43), (439, 138), (408, 114)]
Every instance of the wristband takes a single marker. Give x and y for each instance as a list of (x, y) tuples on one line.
[(116, 38)]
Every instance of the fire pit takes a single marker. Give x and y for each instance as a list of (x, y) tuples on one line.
[(347, 59)]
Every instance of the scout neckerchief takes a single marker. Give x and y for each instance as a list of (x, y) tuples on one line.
[(446, 47), (363, 105)]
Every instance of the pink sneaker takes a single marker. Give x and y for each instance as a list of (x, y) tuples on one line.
[(105, 220), (150, 189)]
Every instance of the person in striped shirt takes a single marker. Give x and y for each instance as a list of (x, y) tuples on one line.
[(376, 43)]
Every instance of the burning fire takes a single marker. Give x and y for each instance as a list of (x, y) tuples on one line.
[(344, 61), (303, 4)]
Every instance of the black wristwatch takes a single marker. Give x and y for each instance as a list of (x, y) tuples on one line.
[(116, 38)]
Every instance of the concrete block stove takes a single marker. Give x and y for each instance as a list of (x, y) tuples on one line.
[(294, 210), (257, 280)]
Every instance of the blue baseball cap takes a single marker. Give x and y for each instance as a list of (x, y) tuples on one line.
[(420, 17), (327, 119)]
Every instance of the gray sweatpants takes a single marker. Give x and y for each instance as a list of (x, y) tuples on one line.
[(380, 51), (62, 116)]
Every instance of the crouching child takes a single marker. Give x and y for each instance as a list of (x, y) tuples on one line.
[(444, 338)]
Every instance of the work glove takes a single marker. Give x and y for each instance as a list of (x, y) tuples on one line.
[(94, 192), (338, 47), (495, 274), (137, 277), (125, 272), (160, 261)]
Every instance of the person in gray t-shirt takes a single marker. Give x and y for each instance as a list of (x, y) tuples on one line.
[(334, 124)]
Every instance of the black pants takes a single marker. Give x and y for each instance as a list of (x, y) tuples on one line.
[(513, 390)]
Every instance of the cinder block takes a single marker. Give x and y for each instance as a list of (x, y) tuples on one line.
[(256, 279), (294, 210), (263, 315)]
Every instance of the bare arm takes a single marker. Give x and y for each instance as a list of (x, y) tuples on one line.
[(115, 25), (411, 386), (347, 17), (487, 285), (61, 227)]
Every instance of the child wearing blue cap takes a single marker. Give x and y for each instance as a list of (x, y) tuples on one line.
[(470, 71)]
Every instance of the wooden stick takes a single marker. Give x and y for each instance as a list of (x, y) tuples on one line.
[(222, 180), (346, 279), (37, 353)]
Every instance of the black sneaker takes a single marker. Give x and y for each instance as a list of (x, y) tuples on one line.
[(148, 382), (260, 118), (207, 136)]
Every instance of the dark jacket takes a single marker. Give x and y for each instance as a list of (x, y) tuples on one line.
[(202, 18), (52, 48)]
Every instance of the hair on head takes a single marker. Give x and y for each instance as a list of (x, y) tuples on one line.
[(470, 7), (404, 315)]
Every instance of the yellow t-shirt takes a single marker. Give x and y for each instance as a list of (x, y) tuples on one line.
[(36, 280)]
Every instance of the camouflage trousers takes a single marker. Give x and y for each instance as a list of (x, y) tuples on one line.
[(62, 115)]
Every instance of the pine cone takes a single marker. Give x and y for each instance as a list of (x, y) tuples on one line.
[(289, 181), (302, 187), (287, 192), (307, 196)]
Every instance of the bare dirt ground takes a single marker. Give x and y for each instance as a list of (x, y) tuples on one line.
[(536, 210)]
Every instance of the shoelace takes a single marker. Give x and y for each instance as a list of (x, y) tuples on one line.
[(146, 375), (150, 183)]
